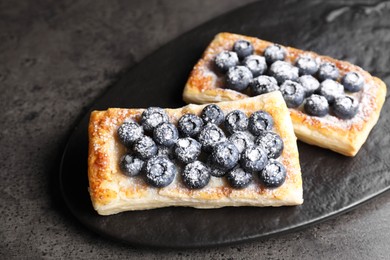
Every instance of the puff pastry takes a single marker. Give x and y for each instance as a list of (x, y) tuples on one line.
[(342, 136), (112, 192)]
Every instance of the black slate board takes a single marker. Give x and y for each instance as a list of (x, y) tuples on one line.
[(332, 183)]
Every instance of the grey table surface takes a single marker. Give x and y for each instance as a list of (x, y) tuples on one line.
[(56, 58)]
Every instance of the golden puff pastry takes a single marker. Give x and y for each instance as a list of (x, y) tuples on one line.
[(112, 192), (340, 135)]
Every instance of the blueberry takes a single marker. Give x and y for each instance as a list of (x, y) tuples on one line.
[(236, 121), (238, 78), (273, 175), (256, 64), (263, 84), (241, 140), (131, 165), (129, 132), (165, 134), (225, 60), (160, 171), (327, 70), (210, 135), (345, 107), (330, 89), (187, 149), (271, 142), (293, 93), (152, 117), (214, 170), (196, 175), (306, 65), (212, 114), (145, 147), (243, 48), (309, 83), (353, 81), (253, 159), (283, 71), (260, 121), (316, 105), (165, 151), (190, 125), (225, 155), (274, 53), (238, 178)]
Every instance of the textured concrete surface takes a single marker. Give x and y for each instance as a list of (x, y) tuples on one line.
[(56, 57)]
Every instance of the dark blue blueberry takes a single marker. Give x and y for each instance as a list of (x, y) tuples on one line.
[(327, 70), (196, 175), (166, 134), (271, 142), (306, 65), (345, 107), (165, 151), (243, 48), (316, 105), (210, 135), (214, 170), (273, 175), (293, 93), (131, 165), (238, 178), (225, 60), (256, 64), (236, 121), (160, 171), (283, 71), (353, 81), (263, 84), (152, 117), (238, 78), (190, 125), (145, 147), (225, 155), (253, 159), (187, 150), (274, 53), (330, 89), (260, 121), (241, 140), (309, 83), (129, 132), (212, 114)]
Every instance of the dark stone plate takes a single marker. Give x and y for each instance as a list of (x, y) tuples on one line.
[(332, 183)]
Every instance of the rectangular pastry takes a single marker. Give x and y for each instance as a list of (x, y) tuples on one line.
[(333, 104), (235, 153)]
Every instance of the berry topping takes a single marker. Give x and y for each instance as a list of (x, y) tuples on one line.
[(256, 64), (238, 178), (190, 125), (353, 81), (316, 105), (293, 93), (160, 171), (225, 60), (306, 65), (274, 53), (309, 83), (210, 135), (273, 175), (254, 158), (187, 149), (152, 117), (196, 175), (345, 107), (271, 142), (214, 170), (243, 48), (241, 140), (145, 147), (330, 89), (212, 114), (260, 121), (236, 121), (129, 132), (131, 165), (328, 70), (263, 84), (165, 151), (283, 71), (225, 155), (165, 134), (238, 78)]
